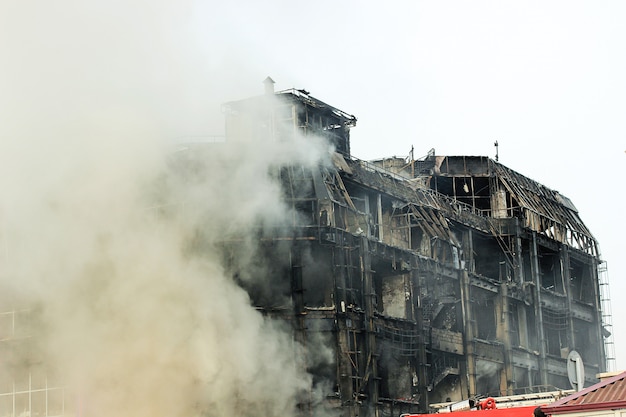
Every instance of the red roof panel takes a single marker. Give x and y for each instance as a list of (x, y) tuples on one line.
[(608, 394)]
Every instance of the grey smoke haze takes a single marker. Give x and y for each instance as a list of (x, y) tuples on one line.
[(91, 95)]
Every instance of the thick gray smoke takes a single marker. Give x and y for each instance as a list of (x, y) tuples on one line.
[(96, 229)]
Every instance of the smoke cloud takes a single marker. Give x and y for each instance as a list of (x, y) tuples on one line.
[(101, 213)]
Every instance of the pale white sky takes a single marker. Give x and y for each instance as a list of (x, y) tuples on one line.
[(543, 78)]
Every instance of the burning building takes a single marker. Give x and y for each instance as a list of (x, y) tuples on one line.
[(433, 279), (401, 282)]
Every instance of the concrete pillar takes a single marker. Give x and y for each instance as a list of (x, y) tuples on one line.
[(422, 365), (468, 333), (567, 289), (534, 266), (503, 333), (369, 296)]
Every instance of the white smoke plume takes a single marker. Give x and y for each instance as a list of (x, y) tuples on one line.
[(95, 230)]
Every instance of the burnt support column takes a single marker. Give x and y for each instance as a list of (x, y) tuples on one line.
[(371, 378), (468, 365), (519, 264), (379, 217), (597, 303), (345, 375), (565, 276), (422, 360), (300, 336), (344, 368), (534, 266), (503, 329), (297, 290), (468, 334)]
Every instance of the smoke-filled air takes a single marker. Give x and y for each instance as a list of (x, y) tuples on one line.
[(112, 226)]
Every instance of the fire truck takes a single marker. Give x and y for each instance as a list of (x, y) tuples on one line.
[(512, 406)]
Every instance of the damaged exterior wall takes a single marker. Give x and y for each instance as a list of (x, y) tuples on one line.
[(430, 280), (433, 280)]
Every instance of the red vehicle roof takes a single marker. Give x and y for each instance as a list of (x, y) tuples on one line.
[(497, 412)]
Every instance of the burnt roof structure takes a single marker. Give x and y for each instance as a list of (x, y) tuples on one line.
[(264, 116)]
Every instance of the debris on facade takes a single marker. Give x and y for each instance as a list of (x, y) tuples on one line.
[(432, 280), (436, 279)]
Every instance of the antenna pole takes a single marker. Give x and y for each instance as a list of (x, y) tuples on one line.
[(496, 145)]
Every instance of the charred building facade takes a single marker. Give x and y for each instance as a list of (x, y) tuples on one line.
[(433, 280), (421, 281)]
